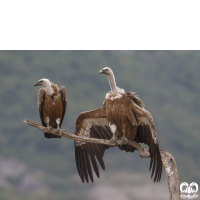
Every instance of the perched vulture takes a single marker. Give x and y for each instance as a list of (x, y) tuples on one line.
[(121, 116), (52, 104)]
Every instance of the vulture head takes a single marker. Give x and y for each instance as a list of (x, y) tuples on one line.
[(107, 71), (43, 82), (46, 84)]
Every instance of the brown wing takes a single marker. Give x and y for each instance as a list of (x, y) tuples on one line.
[(132, 118), (41, 101), (63, 93), (91, 124), (133, 97), (146, 134)]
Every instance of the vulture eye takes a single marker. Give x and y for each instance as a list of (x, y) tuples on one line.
[(41, 81)]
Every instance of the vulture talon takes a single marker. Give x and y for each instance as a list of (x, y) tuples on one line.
[(58, 131), (58, 127), (123, 139), (112, 140), (49, 128)]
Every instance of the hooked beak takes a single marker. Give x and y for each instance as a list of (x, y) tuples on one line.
[(101, 72), (36, 84)]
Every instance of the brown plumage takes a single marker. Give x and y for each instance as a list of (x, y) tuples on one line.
[(122, 115), (52, 104)]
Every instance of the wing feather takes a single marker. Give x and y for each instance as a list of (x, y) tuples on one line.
[(105, 133), (86, 168), (41, 101), (100, 133), (63, 93), (82, 165), (146, 134), (109, 133), (95, 133), (78, 163), (96, 149), (93, 161), (91, 124), (88, 165)]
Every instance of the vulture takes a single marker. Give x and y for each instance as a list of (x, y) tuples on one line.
[(122, 116), (52, 104)]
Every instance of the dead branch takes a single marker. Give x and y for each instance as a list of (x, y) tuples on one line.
[(167, 159)]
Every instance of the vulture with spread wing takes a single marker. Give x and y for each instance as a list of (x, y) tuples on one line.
[(52, 104), (121, 116)]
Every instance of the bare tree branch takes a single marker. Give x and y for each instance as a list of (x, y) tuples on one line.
[(167, 159)]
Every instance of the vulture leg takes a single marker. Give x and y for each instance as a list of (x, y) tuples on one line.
[(58, 126), (113, 129), (112, 139), (48, 120), (123, 138)]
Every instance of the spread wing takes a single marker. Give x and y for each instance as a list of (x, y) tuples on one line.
[(63, 93), (41, 101), (146, 133), (91, 124)]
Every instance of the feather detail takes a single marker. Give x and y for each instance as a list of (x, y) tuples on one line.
[(52, 107), (89, 125)]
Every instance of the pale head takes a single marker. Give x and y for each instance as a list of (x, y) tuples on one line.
[(44, 82), (107, 71)]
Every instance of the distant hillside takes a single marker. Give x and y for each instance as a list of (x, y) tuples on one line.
[(166, 81)]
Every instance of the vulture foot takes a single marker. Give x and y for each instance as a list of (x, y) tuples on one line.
[(49, 128), (58, 131), (58, 127), (123, 139), (113, 139)]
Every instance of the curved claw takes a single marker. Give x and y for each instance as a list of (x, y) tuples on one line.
[(58, 131), (49, 128), (112, 140)]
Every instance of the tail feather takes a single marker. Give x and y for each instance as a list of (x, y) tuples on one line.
[(49, 136)]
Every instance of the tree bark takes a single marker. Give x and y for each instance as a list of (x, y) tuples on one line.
[(167, 159)]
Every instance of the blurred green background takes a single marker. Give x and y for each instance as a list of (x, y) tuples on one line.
[(32, 167)]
